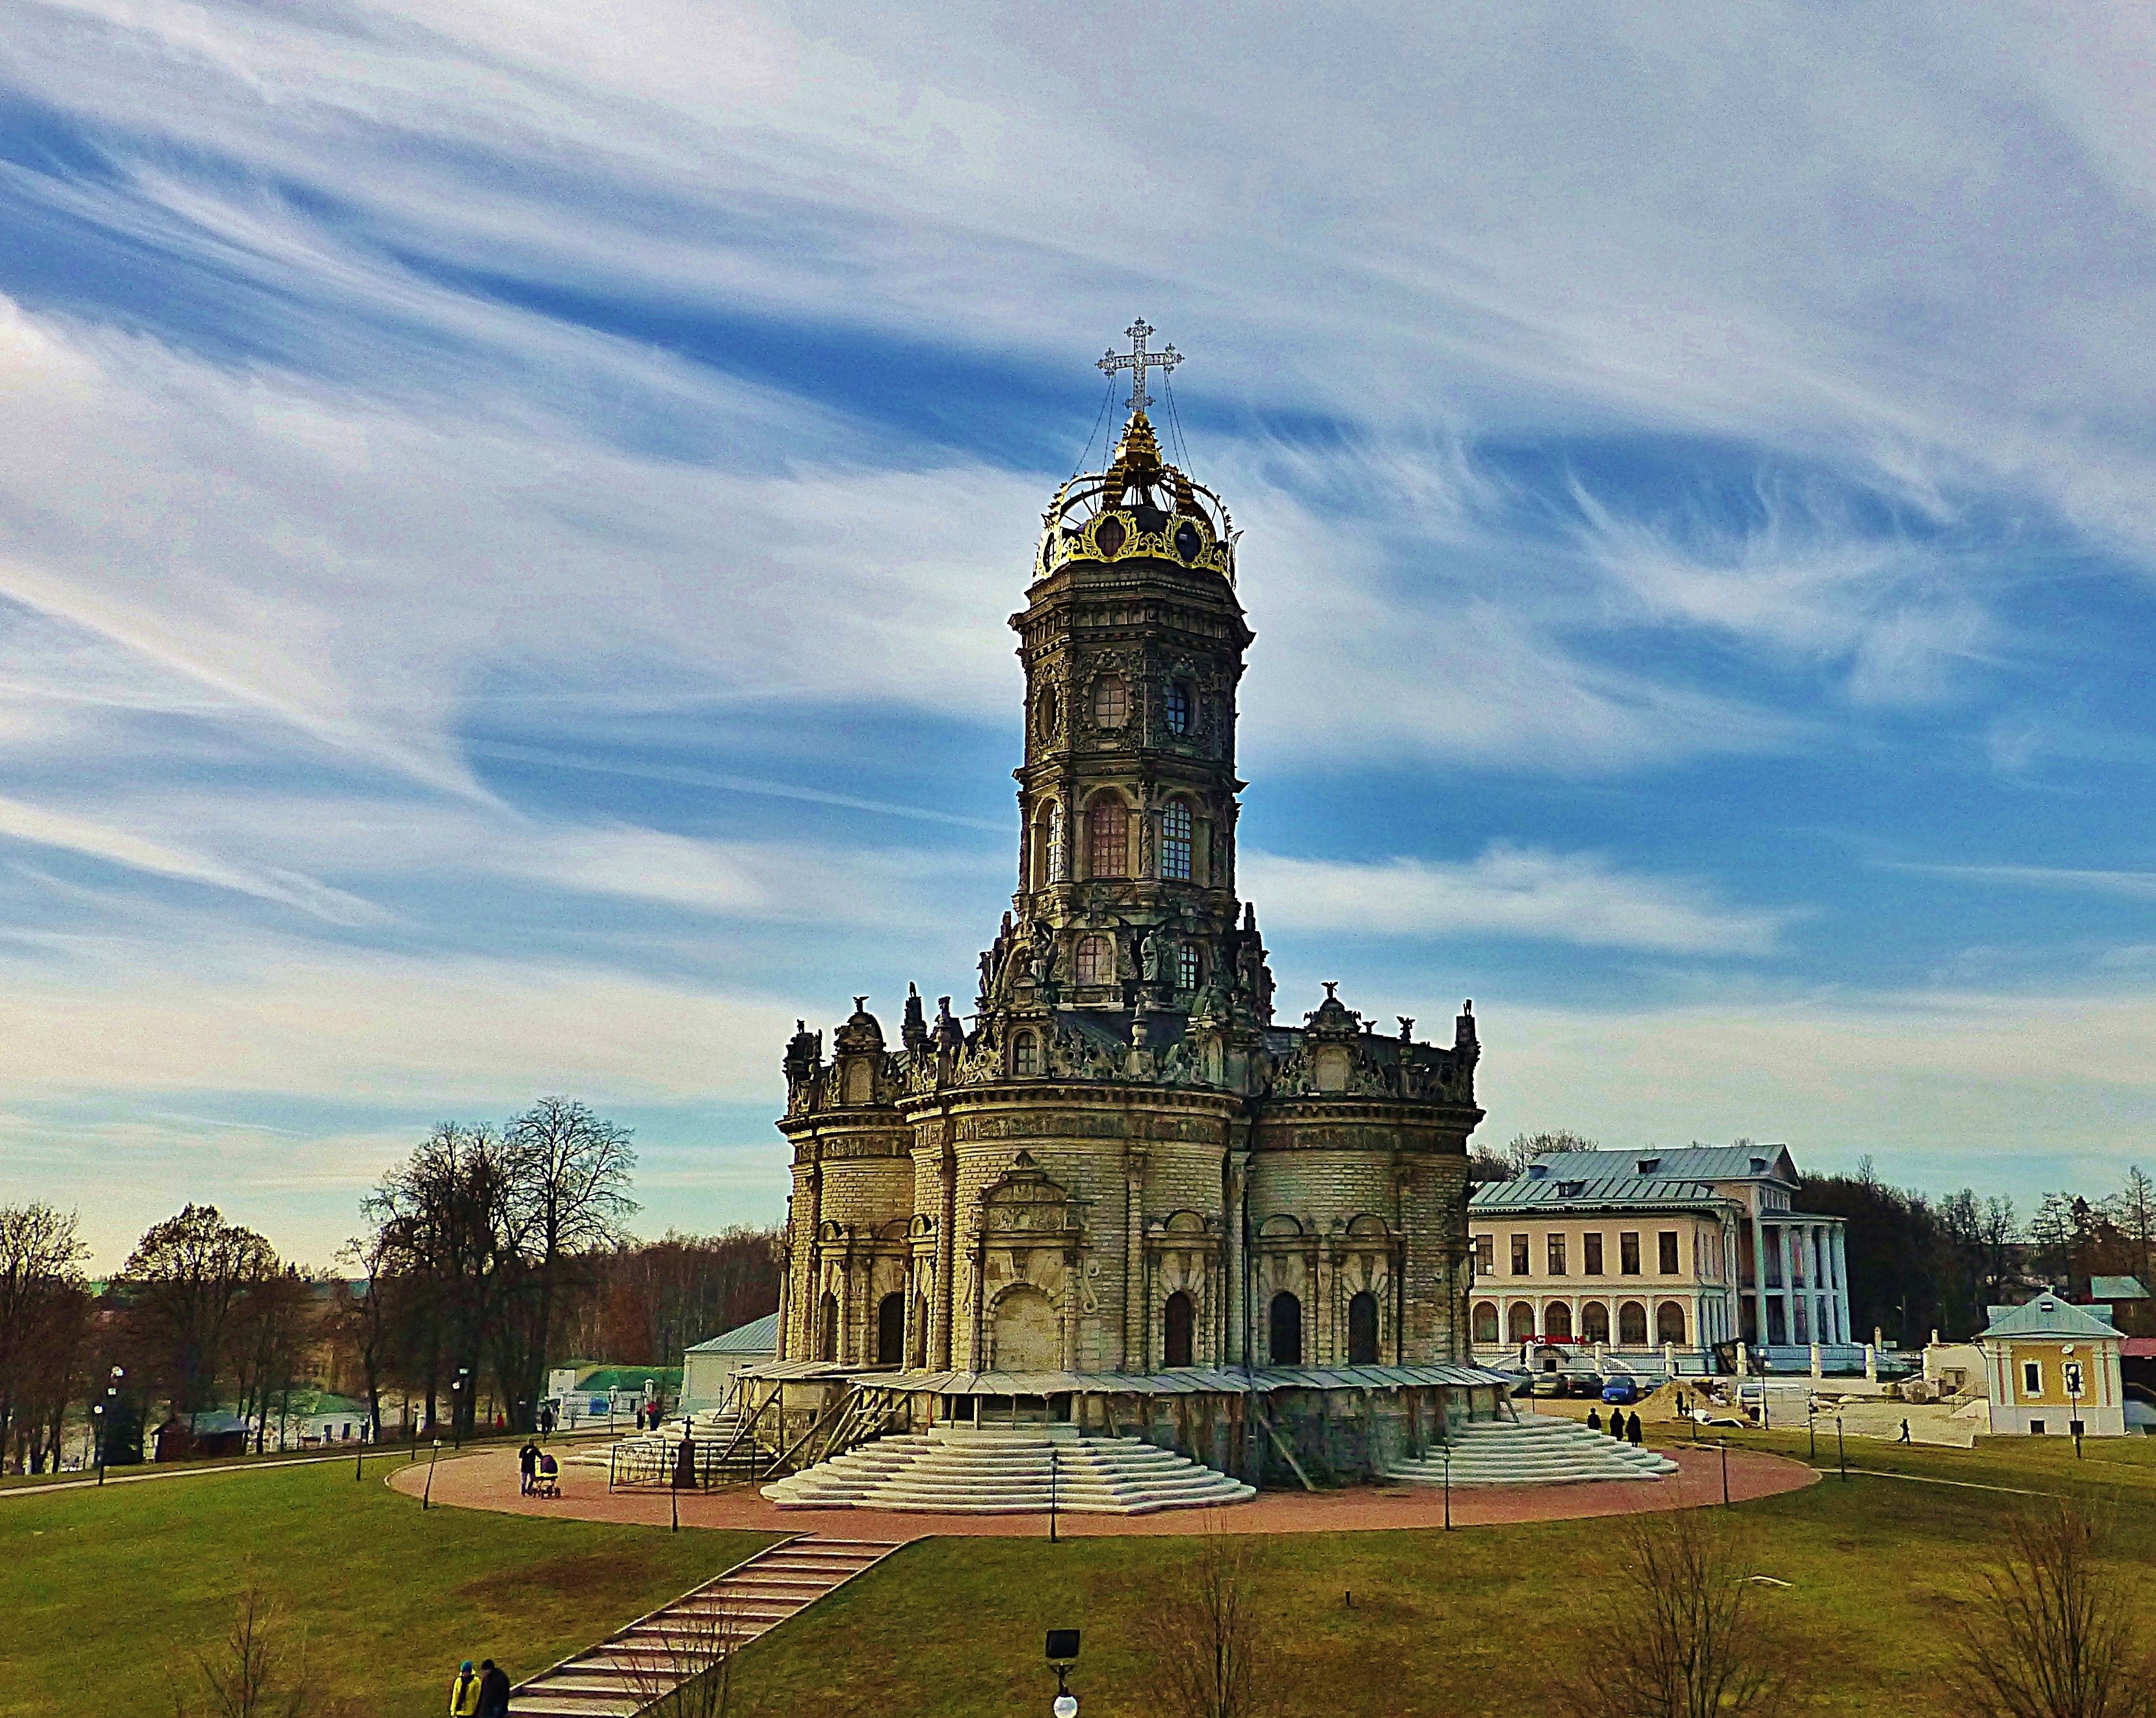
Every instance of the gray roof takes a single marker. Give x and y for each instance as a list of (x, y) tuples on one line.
[(757, 1337), (1686, 1163), (2050, 1315), (2117, 1288), (1629, 1192)]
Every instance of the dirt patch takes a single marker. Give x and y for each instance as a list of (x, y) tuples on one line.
[(556, 1577)]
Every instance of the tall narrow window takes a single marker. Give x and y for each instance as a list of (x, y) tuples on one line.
[(1519, 1255), (1058, 867), (1362, 1329), (1111, 701), (1286, 1323), (1486, 1260), (1590, 1247), (1175, 842), (1177, 705), (1557, 1255), (1628, 1255), (1666, 1249), (1111, 853), (1186, 968), (1096, 963)]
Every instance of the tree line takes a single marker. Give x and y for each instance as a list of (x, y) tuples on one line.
[(1920, 1262), (487, 1255)]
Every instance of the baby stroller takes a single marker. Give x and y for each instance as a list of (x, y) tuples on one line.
[(547, 1482)]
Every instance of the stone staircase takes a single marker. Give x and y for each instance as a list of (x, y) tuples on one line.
[(646, 1661), (958, 1470), (1535, 1449)]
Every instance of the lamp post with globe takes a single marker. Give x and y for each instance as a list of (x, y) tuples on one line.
[(1062, 1654)]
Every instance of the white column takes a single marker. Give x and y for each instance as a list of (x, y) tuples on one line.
[(1789, 1286), (1759, 1278), (1842, 1277)]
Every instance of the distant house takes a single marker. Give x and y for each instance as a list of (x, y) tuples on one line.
[(2053, 1370), (215, 1431), (709, 1369), (2132, 1310)]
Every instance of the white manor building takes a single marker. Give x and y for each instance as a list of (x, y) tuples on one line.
[(1647, 1251)]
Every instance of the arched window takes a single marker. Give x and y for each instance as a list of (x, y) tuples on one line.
[(1669, 1322), (1485, 1323), (1181, 1321), (1049, 711), (1286, 1323), (1111, 701), (1520, 1321), (1175, 842), (1556, 1322), (1594, 1322), (1096, 961), (1055, 866), (1362, 1329), (920, 1329), (1187, 974), (1110, 855), (1176, 706), (1632, 1325), (891, 1331), (1025, 1055), (827, 1329)]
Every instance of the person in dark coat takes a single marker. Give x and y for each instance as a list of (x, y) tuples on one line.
[(1632, 1431), (527, 1463), (1593, 1420), (1616, 1422), (493, 1690)]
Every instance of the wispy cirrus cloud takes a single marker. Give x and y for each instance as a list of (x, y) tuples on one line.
[(1509, 892)]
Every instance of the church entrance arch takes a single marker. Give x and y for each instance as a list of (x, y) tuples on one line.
[(1362, 1329), (1632, 1325), (891, 1331), (1029, 1338), (1181, 1322), (1286, 1347), (1520, 1321)]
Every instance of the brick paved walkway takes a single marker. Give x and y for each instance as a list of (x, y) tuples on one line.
[(488, 1481)]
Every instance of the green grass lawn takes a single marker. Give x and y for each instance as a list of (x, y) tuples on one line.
[(105, 1596), (1481, 1621)]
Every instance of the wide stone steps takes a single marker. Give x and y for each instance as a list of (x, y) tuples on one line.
[(1535, 1450), (954, 1471), (645, 1662)]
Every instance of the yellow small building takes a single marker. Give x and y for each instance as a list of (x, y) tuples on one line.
[(2053, 1370)]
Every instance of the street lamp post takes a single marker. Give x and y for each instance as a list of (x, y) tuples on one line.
[(2072, 1370), (112, 1418), (427, 1496), (457, 1408), (97, 1432), (1062, 1654)]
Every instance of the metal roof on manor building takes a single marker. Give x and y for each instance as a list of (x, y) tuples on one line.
[(1183, 1381), (1683, 1163), (757, 1337), (1628, 1192)]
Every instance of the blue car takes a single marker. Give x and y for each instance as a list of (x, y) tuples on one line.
[(1620, 1392)]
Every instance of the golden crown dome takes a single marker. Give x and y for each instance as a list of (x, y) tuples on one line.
[(1140, 508)]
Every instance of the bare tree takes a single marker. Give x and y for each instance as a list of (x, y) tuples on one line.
[(43, 1318), (1215, 1658), (569, 1187), (682, 1667), (1675, 1633), (274, 1329), (2134, 1209), (186, 1279), (255, 1671), (2052, 1633)]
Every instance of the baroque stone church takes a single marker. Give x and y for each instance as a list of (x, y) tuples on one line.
[(1119, 1171)]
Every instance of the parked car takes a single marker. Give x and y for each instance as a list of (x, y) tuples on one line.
[(1547, 1384), (1586, 1383), (1621, 1392)]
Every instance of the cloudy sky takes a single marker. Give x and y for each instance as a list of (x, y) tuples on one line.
[(508, 511)]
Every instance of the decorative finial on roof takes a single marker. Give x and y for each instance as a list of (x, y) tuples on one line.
[(1137, 360)]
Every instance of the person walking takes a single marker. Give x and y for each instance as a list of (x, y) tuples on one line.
[(464, 1693), (1617, 1423), (1593, 1420), (527, 1463), (1632, 1431), (493, 1691), (1904, 1438)]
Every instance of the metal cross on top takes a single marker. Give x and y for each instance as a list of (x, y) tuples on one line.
[(1137, 360)]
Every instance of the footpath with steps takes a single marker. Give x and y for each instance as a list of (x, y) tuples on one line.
[(1535, 1449), (646, 1661), (958, 1470)]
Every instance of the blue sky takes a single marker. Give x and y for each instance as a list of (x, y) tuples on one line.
[(507, 515)]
